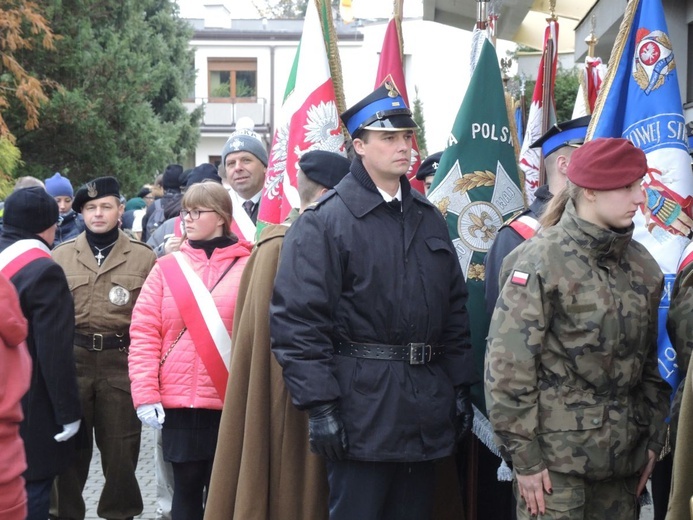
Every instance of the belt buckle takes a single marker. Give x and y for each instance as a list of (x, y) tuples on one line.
[(419, 353), (97, 346)]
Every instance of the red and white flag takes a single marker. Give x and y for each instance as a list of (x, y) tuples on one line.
[(308, 120), (591, 76), (390, 68), (530, 158)]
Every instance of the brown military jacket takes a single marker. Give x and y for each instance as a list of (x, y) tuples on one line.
[(104, 296), (572, 380)]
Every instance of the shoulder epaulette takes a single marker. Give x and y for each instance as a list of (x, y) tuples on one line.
[(316, 204), (61, 244), (515, 215), (134, 241)]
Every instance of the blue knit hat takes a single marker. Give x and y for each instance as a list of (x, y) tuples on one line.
[(59, 186)]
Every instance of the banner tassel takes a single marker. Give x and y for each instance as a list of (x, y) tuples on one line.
[(484, 432)]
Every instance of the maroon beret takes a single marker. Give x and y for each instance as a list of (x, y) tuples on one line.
[(606, 163)]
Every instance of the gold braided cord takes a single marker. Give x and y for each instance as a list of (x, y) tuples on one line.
[(582, 78), (510, 107), (400, 38), (330, 36), (614, 60)]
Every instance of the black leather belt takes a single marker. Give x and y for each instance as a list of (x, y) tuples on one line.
[(413, 353), (98, 342)]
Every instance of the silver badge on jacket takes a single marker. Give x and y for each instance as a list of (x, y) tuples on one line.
[(119, 295)]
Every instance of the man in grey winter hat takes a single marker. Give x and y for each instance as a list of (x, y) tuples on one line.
[(244, 161)]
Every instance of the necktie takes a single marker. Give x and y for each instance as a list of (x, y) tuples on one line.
[(394, 205), (248, 207)]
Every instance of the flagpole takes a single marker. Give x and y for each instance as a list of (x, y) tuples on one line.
[(547, 98), (592, 39), (329, 32), (397, 14), (481, 14)]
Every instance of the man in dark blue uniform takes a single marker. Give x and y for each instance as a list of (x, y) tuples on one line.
[(368, 321), (557, 145)]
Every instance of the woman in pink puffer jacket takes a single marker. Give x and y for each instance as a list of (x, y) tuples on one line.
[(179, 367)]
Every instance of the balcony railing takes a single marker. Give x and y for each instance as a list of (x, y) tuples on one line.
[(228, 114)]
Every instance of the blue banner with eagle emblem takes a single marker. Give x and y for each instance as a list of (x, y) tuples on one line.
[(640, 100), (477, 187)]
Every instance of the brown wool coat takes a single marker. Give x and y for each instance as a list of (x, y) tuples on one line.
[(263, 467), (682, 476)]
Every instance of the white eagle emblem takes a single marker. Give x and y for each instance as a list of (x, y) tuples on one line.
[(653, 59)]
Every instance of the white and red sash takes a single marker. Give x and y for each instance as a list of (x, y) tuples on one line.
[(242, 225), (525, 226), (20, 254), (201, 316)]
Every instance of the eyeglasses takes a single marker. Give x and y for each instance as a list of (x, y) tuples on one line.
[(194, 213)]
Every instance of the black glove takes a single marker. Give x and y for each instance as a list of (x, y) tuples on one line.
[(464, 413), (326, 431)]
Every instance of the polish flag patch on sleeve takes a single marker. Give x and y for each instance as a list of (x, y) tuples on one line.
[(519, 278)]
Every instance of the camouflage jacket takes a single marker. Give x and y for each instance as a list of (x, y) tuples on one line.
[(572, 381), (680, 328)]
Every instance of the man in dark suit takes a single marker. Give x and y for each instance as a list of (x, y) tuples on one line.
[(52, 410)]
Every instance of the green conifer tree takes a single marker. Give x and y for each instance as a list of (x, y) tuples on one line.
[(118, 77), (418, 116)]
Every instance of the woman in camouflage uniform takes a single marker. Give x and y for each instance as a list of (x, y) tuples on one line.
[(572, 382)]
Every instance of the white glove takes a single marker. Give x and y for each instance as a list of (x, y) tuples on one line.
[(152, 415), (69, 431)]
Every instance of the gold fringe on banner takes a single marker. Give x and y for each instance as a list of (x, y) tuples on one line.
[(614, 60), (510, 107), (582, 79), (397, 15), (330, 36)]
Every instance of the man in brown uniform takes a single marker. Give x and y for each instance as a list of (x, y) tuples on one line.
[(105, 270)]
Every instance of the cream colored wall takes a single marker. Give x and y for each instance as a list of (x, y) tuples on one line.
[(436, 58)]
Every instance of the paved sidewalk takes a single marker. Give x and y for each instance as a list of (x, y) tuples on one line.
[(147, 480), (145, 475)]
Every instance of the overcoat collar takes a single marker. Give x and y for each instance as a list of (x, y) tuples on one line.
[(117, 256), (604, 244), (359, 193)]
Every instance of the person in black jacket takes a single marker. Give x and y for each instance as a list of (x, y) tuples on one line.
[(368, 322), (70, 223), (52, 410), (167, 206)]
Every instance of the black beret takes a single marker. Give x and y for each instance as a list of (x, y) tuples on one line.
[(325, 168), (31, 209), (201, 173), (96, 189), (429, 166), (173, 177)]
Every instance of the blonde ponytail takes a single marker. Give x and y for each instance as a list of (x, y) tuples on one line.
[(557, 204)]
